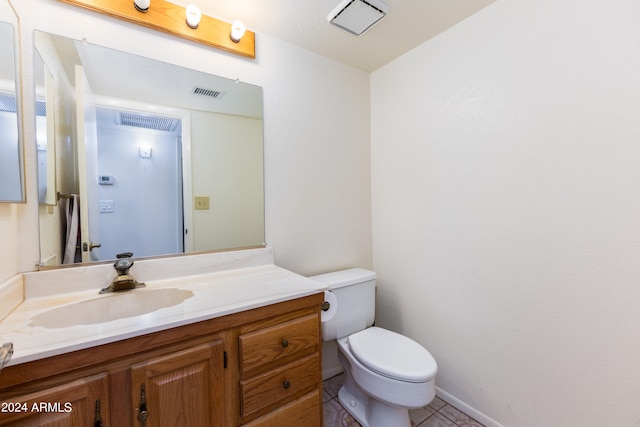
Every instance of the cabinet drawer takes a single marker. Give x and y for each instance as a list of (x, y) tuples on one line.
[(305, 411), (278, 341), (281, 383)]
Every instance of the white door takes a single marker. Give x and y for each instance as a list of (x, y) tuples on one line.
[(87, 141)]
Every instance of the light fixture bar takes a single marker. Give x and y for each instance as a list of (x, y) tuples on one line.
[(171, 18)]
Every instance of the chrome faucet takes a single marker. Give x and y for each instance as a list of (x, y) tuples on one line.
[(6, 351), (123, 281)]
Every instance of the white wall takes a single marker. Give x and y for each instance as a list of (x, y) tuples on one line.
[(506, 209), (316, 136), (146, 193), (227, 165)]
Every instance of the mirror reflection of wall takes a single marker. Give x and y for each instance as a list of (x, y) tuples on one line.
[(11, 164), (55, 90), (45, 136), (147, 182)]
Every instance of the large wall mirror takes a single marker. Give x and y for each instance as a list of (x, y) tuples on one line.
[(137, 155), (11, 160)]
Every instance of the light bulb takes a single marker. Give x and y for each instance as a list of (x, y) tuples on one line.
[(237, 31), (142, 5), (193, 16)]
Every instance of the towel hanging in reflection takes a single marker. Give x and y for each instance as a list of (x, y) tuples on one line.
[(71, 207)]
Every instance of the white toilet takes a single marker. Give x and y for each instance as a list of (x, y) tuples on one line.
[(386, 373)]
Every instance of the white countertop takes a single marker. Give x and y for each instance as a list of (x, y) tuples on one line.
[(215, 294)]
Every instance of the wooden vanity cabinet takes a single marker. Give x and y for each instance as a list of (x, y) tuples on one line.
[(67, 404), (181, 388), (259, 367), (280, 369)]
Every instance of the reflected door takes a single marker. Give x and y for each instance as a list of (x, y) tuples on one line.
[(87, 168)]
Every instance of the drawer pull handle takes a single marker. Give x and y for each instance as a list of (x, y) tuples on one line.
[(285, 343), (286, 384)]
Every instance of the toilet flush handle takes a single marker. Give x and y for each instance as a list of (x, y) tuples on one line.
[(325, 306)]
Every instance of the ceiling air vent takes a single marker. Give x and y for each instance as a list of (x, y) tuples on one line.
[(41, 109), (146, 121), (7, 103), (207, 92), (358, 16)]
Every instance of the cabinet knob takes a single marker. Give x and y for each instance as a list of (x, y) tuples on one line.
[(142, 417), (285, 343), (286, 384)]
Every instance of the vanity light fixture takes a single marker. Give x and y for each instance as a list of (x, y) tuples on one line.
[(142, 5), (193, 16), (237, 31), (170, 18)]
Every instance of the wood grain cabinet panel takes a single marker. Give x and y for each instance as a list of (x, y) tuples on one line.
[(67, 405), (278, 384), (303, 410), (279, 341), (182, 388), (280, 364)]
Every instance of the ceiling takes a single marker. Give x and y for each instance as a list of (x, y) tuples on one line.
[(304, 23)]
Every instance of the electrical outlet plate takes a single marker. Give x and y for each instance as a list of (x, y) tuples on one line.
[(202, 202)]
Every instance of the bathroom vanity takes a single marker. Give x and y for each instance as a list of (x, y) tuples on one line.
[(244, 349)]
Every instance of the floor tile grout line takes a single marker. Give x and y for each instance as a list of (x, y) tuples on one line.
[(332, 385)]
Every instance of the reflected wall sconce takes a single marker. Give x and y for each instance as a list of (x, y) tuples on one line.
[(237, 31), (193, 16), (176, 20), (144, 151), (142, 5)]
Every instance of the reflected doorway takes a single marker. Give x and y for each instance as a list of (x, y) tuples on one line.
[(139, 183)]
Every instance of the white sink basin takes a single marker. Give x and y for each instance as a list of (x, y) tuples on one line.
[(110, 307)]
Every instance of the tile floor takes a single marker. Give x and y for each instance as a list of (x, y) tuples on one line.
[(438, 413)]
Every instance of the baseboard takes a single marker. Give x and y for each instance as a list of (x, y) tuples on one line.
[(467, 409)]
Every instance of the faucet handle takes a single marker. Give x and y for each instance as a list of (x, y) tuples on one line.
[(122, 266), (123, 263), (124, 255)]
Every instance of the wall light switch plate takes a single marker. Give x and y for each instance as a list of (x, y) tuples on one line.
[(106, 206), (202, 202)]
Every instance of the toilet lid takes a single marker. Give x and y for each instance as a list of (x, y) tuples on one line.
[(393, 355)]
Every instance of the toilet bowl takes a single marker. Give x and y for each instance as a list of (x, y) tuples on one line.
[(386, 373), (380, 391)]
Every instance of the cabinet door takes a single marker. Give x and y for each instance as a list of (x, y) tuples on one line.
[(67, 405), (185, 388)]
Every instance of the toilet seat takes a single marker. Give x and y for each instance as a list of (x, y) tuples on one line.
[(392, 355)]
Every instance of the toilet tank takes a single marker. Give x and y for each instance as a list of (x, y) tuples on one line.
[(355, 292)]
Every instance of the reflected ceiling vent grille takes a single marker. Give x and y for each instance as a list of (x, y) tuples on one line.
[(358, 16), (146, 121), (41, 109), (207, 92), (7, 103)]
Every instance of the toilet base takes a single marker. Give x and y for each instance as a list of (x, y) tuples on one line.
[(370, 412)]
